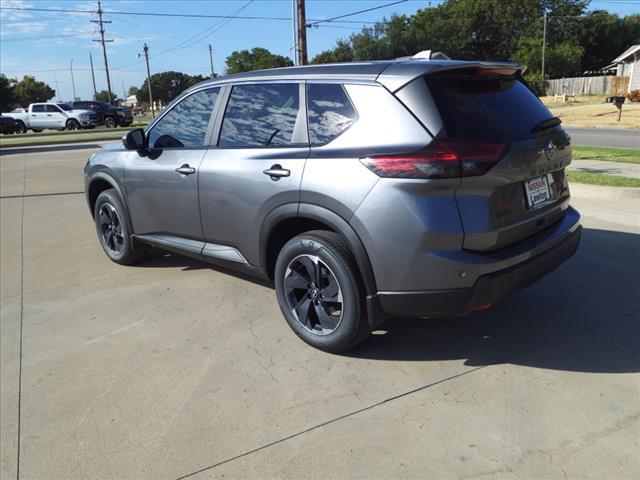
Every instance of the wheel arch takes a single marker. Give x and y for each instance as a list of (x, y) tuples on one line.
[(98, 183), (290, 220)]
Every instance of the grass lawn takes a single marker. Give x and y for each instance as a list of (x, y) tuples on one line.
[(601, 179), (623, 155), (591, 111), (8, 141)]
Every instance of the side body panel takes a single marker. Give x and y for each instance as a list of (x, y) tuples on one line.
[(160, 199)]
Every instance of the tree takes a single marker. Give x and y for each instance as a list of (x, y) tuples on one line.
[(30, 90), (134, 91), (166, 86), (8, 96), (341, 53), (103, 96), (256, 59)]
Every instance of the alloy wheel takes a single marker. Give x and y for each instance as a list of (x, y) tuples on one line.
[(111, 229), (313, 294)]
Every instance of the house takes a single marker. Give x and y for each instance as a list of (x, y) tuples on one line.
[(628, 65)]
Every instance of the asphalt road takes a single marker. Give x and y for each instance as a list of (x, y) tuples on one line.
[(605, 137), (173, 369)]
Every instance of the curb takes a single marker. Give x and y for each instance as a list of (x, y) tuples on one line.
[(584, 190)]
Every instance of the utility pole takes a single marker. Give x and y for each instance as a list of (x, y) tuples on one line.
[(93, 77), (302, 34), (294, 31), (57, 88), (544, 40), (104, 42), (211, 58), (73, 83), (124, 92), (146, 57)]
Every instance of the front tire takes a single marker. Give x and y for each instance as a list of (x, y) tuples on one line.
[(110, 122), (73, 124), (114, 230), (320, 291)]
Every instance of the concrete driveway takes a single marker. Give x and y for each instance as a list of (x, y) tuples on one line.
[(172, 369)]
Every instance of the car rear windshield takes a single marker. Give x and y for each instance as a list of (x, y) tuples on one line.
[(486, 106)]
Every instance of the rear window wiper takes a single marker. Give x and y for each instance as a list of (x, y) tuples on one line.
[(545, 124)]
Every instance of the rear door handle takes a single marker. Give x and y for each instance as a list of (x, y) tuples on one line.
[(185, 170), (276, 171)]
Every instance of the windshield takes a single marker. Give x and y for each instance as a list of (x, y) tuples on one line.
[(65, 106)]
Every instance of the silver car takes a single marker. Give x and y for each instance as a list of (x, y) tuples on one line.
[(364, 191)]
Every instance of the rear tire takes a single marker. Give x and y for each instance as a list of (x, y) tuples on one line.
[(114, 230), (21, 127), (320, 292)]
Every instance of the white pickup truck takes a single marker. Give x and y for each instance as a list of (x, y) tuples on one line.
[(41, 116)]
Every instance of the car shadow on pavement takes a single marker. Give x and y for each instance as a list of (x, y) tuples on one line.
[(583, 317), (161, 259)]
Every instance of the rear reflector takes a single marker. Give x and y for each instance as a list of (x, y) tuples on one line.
[(441, 159)]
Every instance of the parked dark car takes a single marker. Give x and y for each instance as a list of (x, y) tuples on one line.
[(8, 125), (108, 115), (362, 190)]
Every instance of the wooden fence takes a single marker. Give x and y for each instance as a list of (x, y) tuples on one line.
[(606, 85)]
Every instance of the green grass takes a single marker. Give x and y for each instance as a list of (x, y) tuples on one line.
[(602, 179), (623, 155), (7, 142)]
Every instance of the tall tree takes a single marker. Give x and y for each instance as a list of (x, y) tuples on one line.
[(256, 59), (166, 86), (8, 96), (30, 90), (103, 96), (341, 53)]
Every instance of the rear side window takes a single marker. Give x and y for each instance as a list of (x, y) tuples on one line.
[(37, 108), (330, 112), (185, 125), (479, 107), (261, 116)]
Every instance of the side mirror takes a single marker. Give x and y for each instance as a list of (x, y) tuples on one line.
[(135, 140)]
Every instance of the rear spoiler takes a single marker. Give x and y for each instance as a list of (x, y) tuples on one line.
[(397, 75)]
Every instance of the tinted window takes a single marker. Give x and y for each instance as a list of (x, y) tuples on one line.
[(37, 108), (64, 106), (52, 109), (493, 108), (330, 112), (185, 125), (260, 115), (80, 104)]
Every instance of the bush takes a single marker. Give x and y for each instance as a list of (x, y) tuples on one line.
[(538, 83), (634, 96)]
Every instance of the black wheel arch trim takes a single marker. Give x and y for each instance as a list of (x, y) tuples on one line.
[(111, 180), (339, 225)]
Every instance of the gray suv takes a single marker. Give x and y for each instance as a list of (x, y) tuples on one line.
[(363, 191)]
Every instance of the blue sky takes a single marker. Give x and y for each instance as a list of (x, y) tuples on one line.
[(43, 44)]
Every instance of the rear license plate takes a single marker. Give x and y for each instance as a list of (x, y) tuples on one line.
[(537, 190)]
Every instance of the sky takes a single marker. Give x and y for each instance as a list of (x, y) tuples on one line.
[(44, 44)]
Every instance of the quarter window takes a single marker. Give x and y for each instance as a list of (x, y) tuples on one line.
[(261, 116), (185, 125), (330, 112)]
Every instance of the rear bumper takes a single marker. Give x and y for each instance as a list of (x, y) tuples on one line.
[(488, 289)]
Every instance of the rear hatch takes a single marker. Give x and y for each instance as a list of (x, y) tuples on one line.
[(516, 184)]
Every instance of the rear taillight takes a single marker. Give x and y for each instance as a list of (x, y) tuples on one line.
[(441, 159)]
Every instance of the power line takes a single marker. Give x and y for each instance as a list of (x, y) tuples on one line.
[(182, 15), (333, 19)]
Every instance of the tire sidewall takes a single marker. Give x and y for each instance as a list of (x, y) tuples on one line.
[(73, 124), (109, 120), (352, 304), (110, 197)]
